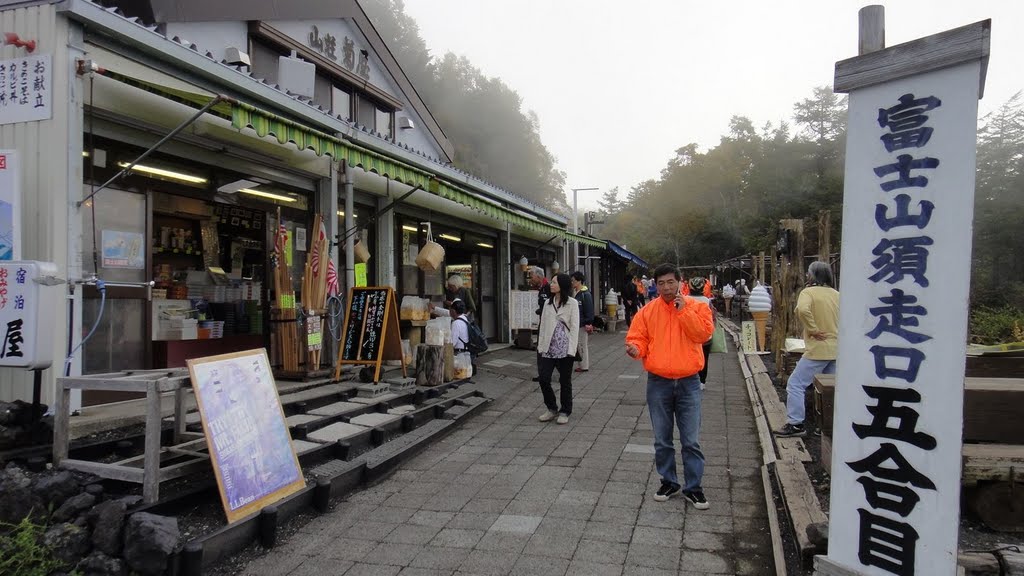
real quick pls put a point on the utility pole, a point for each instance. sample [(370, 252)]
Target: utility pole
[(575, 226), (588, 222)]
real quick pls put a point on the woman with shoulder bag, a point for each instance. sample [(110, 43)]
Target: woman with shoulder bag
[(556, 348)]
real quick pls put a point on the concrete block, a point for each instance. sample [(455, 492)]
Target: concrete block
[(336, 432), (337, 408), (373, 390), (299, 419), (301, 446), (371, 420), (401, 410), (399, 384)]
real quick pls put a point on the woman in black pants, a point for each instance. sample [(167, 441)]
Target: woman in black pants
[(556, 347)]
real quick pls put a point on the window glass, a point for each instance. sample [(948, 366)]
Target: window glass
[(322, 92), (264, 62), (341, 103), (366, 115), (384, 123)]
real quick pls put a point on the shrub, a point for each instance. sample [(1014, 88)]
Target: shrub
[(996, 325), (22, 551)]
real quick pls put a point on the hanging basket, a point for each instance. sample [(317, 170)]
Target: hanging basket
[(362, 255), (431, 254)]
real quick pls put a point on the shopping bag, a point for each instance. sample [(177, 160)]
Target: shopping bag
[(718, 340)]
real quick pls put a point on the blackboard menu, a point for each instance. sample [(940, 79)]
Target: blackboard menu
[(364, 326)]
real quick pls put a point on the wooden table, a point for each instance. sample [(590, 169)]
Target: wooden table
[(153, 383), (993, 408)]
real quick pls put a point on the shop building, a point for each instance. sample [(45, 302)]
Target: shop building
[(227, 115)]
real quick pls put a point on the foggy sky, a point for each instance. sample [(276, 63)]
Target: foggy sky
[(619, 86)]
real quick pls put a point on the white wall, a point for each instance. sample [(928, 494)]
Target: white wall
[(418, 138), (213, 37), (49, 160)]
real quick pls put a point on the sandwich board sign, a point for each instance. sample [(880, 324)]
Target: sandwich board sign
[(245, 429)]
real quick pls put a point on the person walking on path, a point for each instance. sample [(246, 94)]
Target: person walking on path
[(556, 348), (817, 307), (582, 295), (667, 335), (698, 286)]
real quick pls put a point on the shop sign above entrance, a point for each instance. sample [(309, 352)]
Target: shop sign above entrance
[(327, 44), (25, 89)]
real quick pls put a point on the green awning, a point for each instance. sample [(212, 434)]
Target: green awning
[(286, 131)]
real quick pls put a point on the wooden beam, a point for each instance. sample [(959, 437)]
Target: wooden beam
[(957, 46), (998, 462), (801, 502), (778, 551)]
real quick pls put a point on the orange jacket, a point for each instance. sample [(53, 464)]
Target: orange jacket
[(707, 291), (670, 340)]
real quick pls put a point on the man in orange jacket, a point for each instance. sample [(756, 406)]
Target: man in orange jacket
[(667, 335)]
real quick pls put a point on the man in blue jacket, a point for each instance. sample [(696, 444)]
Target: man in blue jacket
[(582, 295)]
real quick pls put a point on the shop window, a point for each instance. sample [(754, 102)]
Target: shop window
[(341, 103), (366, 113), (374, 117), (264, 62), (323, 92), (384, 123)]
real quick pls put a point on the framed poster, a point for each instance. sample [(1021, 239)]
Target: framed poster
[(249, 443), (10, 206), (123, 250)]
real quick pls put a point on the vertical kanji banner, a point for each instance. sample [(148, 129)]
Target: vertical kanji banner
[(906, 250)]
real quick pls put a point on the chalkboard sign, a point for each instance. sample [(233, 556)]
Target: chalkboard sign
[(371, 329), (245, 430)]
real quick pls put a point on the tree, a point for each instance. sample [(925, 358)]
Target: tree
[(822, 116), (609, 202), (493, 137)]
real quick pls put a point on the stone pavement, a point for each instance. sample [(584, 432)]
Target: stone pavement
[(506, 494)]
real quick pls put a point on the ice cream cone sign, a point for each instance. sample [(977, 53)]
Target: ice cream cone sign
[(760, 305)]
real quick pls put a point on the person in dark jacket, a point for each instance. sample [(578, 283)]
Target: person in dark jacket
[(582, 295), (539, 283), (630, 299), (455, 289)]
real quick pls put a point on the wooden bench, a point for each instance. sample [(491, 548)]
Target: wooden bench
[(993, 408)]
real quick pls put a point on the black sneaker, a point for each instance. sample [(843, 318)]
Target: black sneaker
[(790, 430), (666, 491), (696, 497)]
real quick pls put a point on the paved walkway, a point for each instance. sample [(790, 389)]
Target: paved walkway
[(506, 494)]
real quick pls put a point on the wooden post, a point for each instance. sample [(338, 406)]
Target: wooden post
[(760, 266), (429, 365), (872, 29), (791, 280), (824, 235)]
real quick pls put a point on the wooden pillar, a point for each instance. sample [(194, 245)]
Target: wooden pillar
[(824, 235), (760, 266), (787, 288)]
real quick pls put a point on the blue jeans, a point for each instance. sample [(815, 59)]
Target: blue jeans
[(677, 399), (799, 380)]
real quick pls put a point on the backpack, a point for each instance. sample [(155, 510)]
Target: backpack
[(477, 341)]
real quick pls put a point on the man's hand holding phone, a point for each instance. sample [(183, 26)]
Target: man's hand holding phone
[(680, 303)]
